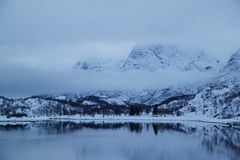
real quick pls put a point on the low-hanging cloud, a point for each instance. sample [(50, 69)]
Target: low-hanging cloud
[(33, 82)]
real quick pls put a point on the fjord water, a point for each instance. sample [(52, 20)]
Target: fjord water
[(54, 140)]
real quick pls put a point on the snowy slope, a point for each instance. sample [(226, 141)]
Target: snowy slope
[(230, 73), (153, 57), (220, 97), (233, 64)]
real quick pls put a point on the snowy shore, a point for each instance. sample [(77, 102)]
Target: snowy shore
[(142, 118)]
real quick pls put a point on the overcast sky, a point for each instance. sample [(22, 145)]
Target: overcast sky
[(42, 37)]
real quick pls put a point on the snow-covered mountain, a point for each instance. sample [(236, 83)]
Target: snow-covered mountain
[(154, 57), (219, 97)]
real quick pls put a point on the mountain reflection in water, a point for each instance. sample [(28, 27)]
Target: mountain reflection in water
[(106, 140)]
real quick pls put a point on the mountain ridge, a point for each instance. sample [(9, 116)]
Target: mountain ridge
[(153, 57)]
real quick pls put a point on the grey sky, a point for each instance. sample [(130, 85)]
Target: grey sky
[(51, 35)]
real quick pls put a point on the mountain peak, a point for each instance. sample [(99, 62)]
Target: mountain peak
[(163, 56)]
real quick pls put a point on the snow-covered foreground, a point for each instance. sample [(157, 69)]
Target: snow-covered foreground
[(142, 118)]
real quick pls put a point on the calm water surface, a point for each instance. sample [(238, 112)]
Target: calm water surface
[(54, 140)]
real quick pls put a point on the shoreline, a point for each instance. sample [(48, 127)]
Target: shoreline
[(142, 119)]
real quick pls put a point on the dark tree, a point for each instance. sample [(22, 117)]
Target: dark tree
[(135, 110), (155, 111)]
